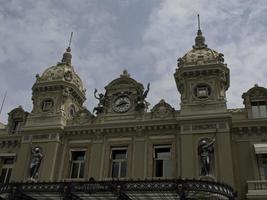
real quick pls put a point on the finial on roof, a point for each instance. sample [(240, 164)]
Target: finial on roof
[(125, 74), (67, 55), (200, 39), (71, 34), (198, 20)]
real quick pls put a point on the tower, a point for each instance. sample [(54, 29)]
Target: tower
[(202, 79), (57, 94)]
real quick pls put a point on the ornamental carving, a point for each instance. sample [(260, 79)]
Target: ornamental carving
[(254, 93), (204, 126), (82, 116), (16, 118), (162, 110)]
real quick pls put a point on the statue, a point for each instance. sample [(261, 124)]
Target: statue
[(205, 152), (141, 103), (36, 158), (101, 104)]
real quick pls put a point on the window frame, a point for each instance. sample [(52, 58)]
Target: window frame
[(155, 159), (16, 126), (68, 171), (120, 161), (256, 110), (72, 162), (47, 105), (261, 171), (8, 167)]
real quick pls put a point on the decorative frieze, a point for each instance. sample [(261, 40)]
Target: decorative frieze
[(137, 128), (40, 138), (249, 131), (9, 143), (203, 126)]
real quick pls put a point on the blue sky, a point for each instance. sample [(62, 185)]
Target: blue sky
[(143, 36)]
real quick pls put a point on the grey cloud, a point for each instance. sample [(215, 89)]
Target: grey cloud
[(144, 37)]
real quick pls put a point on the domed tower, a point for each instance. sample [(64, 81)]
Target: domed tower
[(57, 94), (202, 79)]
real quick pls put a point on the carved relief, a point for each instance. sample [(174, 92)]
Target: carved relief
[(254, 93), (16, 119), (162, 110), (82, 116), (204, 126)]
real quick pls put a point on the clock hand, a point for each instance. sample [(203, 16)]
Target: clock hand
[(122, 103)]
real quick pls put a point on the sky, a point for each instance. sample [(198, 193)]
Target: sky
[(145, 37)]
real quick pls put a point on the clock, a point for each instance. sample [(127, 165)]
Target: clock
[(121, 104)]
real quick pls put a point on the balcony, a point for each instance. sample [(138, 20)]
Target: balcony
[(257, 189)]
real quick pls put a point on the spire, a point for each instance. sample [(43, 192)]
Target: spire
[(200, 39), (67, 55)]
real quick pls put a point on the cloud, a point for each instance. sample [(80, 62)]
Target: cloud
[(144, 37)]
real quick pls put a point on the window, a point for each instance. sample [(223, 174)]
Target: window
[(47, 105), (77, 164), (162, 161), (259, 109), (72, 111), (16, 126), (202, 91), (118, 162), (6, 169), (262, 164)]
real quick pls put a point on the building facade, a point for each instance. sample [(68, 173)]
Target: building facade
[(60, 140)]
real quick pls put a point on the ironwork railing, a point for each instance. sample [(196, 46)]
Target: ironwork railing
[(180, 189)]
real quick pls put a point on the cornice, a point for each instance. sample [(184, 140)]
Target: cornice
[(122, 129), (8, 140), (249, 122)]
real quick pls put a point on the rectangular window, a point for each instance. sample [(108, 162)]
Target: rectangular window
[(162, 161), (6, 169), (259, 109), (16, 126), (202, 92), (118, 162), (262, 164), (77, 164)]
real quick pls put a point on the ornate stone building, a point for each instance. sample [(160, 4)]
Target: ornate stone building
[(60, 140)]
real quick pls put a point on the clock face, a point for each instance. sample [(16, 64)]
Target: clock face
[(121, 104)]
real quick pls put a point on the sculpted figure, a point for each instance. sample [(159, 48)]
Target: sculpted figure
[(140, 100), (101, 104), (205, 152), (36, 159)]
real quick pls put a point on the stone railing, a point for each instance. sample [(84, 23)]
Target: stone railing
[(257, 189)]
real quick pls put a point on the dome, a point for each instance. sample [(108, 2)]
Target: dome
[(200, 54), (63, 71)]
